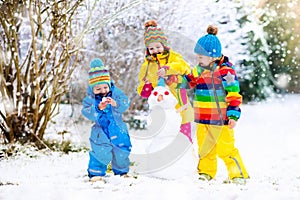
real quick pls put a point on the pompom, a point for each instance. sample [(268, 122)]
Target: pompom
[(211, 29), (97, 62), (150, 23)]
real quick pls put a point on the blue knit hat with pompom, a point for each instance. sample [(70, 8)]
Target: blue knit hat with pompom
[(209, 44)]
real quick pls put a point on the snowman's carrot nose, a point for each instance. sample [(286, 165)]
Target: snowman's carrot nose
[(160, 98)]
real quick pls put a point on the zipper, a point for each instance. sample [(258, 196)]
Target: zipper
[(217, 100)]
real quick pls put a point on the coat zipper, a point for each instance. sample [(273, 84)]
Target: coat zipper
[(216, 97)]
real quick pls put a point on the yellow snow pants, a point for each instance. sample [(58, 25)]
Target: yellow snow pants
[(216, 141)]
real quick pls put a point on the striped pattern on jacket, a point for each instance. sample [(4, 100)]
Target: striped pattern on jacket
[(216, 93)]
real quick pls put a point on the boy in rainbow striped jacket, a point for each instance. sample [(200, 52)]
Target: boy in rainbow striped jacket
[(216, 109)]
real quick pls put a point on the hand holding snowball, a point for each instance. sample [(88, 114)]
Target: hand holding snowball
[(106, 100)]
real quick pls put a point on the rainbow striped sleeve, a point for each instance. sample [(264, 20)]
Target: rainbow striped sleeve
[(196, 71), (232, 86)]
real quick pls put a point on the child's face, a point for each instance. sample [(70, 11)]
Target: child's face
[(205, 60), (101, 89), (155, 48)]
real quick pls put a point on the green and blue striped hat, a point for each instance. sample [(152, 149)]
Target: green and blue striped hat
[(98, 74)]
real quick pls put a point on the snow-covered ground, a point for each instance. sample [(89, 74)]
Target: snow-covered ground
[(267, 136)]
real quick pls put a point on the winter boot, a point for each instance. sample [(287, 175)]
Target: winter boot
[(237, 181), (204, 177)]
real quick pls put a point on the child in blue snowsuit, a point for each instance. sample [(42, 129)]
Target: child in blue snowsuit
[(110, 141)]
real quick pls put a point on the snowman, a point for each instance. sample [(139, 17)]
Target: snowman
[(171, 154)]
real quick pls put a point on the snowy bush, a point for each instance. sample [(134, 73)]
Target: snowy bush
[(39, 52)]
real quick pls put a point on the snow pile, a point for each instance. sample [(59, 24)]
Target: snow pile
[(267, 136)]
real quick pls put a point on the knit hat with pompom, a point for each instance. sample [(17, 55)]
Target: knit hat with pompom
[(98, 74), (209, 44), (154, 34)]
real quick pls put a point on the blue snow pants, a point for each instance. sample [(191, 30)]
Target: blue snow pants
[(109, 144)]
